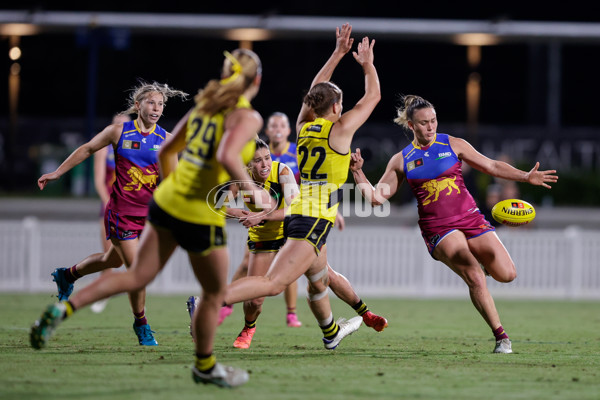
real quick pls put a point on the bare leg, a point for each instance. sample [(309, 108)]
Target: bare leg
[(342, 288), (211, 272), (454, 252), (492, 254), (156, 246), (100, 262), (258, 265), (127, 250), (242, 270), (321, 308), (291, 295), (294, 259), (99, 306), (344, 291)]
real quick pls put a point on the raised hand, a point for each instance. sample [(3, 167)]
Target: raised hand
[(364, 52), (343, 42)]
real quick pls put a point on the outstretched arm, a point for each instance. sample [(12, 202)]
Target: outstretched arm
[(388, 184), (343, 44), (500, 169), (109, 135), (344, 129)]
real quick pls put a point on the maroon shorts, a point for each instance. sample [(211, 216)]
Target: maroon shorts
[(122, 227), (472, 225)]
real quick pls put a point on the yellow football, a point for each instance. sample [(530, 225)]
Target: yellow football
[(513, 212)]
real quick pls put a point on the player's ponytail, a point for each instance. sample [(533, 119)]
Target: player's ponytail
[(409, 104), (240, 68)]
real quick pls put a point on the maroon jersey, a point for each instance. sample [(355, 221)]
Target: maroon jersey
[(136, 167)]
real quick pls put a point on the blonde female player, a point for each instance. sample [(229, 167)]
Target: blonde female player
[(455, 231), (324, 138), (216, 138), (135, 144)]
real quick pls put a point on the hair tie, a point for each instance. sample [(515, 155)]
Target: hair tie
[(236, 67)]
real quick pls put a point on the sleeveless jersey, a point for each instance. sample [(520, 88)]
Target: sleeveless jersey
[(270, 230), (191, 192), (136, 169), (289, 158), (435, 177), (323, 171), (109, 177)]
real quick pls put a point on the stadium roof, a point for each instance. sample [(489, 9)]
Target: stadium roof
[(267, 27)]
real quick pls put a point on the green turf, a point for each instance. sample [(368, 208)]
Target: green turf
[(433, 349)]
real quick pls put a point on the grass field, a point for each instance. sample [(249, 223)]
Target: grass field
[(432, 349)]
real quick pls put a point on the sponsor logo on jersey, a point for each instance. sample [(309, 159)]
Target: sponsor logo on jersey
[(314, 128), (414, 164), (131, 144), (426, 154), (443, 155), (144, 140), (156, 147)]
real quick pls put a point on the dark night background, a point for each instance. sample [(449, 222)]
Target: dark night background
[(54, 74)]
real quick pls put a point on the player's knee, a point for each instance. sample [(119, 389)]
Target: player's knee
[(508, 275), (473, 278), (274, 287)]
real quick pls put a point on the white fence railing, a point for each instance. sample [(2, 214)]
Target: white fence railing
[(378, 260)]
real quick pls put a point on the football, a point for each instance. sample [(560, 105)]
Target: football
[(513, 212)]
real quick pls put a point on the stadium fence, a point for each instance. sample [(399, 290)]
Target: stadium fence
[(379, 261)]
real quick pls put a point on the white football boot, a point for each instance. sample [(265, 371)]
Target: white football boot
[(347, 327)]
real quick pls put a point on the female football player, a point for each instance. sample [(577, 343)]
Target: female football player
[(454, 230), (323, 145)]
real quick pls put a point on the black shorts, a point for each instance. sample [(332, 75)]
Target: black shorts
[(265, 246), (313, 230), (194, 238)]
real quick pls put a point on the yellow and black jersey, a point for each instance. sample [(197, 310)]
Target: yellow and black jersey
[(270, 230), (323, 171), (191, 192)]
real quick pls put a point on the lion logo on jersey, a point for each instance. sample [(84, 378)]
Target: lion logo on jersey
[(139, 179), (435, 187)]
